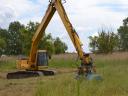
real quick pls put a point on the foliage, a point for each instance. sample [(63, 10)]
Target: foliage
[(3, 41), (47, 43), (105, 42), (93, 43), (123, 33), (26, 36), (60, 47), (18, 39), (2, 45), (15, 42)]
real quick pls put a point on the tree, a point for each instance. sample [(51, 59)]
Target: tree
[(60, 47), (93, 43), (47, 43), (123, 35), (2, 46), (105, 42), (26, 36), (3, 41), (18, 39), (15, 42)]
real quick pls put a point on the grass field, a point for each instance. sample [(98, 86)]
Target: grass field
[(113, 68)]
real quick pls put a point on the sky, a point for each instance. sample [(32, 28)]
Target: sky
[(87, 16)]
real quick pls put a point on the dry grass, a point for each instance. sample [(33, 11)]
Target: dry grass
[(112, 67), (23, 87), (113, 56), (8, 58)]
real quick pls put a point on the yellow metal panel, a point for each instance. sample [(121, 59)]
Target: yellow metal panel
[(22, 64)]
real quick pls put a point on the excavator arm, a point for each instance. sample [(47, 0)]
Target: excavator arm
[(55, 5), (39, 34), (71, 31)]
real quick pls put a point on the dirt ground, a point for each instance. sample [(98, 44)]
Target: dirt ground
[(24, 87)]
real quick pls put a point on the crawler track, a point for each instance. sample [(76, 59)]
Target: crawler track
[(27, 74)]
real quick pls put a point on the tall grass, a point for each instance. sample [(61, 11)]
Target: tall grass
[(112, 68), (64, 61), (7, 65), (114, 83)]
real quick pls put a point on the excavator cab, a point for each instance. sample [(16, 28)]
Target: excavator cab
[(41, 61), (42, 58)]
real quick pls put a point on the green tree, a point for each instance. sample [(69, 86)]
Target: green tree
[(123, 34), (15, 42), (18, 39), (3, 40), (47, 43), (26, 36), (105, 42), (2, 46), (93, 43), (60, 47)]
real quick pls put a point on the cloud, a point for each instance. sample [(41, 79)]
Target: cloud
[(6, 15), (87, 16), (21, 10)]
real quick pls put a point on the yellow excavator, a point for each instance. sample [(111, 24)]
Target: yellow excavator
[(39, 58)]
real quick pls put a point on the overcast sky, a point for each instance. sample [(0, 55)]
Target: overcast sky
[(87, 16)]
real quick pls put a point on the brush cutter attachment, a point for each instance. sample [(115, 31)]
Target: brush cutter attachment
[(88, 73), (93, 76)]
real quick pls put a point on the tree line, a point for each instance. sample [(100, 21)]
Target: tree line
[(108, 41), (17, 40)]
